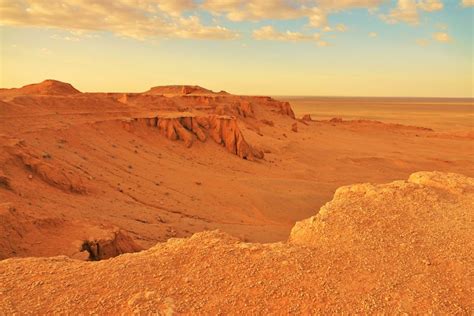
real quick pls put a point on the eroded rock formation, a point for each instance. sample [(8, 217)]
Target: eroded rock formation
[(47, 87), (50, 173), (187, 127), (111, 244), (179, 89), (307, 117)]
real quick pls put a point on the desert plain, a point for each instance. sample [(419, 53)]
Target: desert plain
[(184, 200)]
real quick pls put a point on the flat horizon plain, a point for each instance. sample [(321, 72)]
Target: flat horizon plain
[(440, 114)]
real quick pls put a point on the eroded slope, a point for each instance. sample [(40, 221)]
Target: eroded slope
[(79, 166), (402, 247)]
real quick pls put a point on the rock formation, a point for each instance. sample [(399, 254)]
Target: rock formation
[(51, 174), (307, 117), (47, 87), (111, 244), (178, 90), (294, 127), (399, 228), (336, 120), (187, 127)]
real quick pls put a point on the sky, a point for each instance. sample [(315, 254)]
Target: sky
[(420, 48)]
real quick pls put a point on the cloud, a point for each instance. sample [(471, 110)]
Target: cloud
[(442, 37), (407, 11), (269, 33), (430, 5), (373, 34), (144, 19), (315, 11), (339, 28), (255, 10), (129, 18), (317, 17), (348, 4), (467, 3), (65, 38)]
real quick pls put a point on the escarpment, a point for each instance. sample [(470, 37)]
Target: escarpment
[(187, 127), (170, 98)]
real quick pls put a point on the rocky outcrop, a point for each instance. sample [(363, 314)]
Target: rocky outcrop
[(53, 174), (178, 90), (285, 109), (307, 117), (24, 235), (47, 87), (336, 120), (294, 127), (187, 127), (429, 208), (112, 244)]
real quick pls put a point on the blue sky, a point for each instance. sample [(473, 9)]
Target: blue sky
[(276, 47)]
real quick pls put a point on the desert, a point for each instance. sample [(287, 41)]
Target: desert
[(212, 185), (236, 157)]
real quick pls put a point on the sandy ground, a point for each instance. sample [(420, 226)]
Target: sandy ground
[(86, 177), (398, 248), (73, 168), (437, 113)]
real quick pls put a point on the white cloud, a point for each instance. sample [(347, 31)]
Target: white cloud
[(339, 27), (442, 37), (255, 10), (143, 19), (317, 17), (315, 11), (430, 5), (65, 38), (407, 11), (270, 34), (130, 18)]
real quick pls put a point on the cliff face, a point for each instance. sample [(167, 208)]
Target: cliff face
[(224, 130)]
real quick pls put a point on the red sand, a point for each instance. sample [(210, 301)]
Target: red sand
[(94, 175)]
